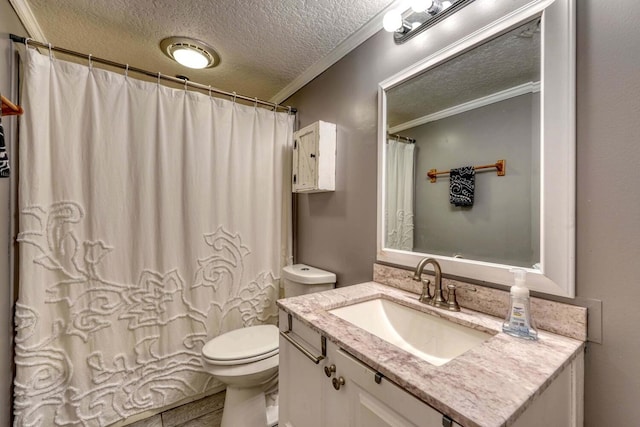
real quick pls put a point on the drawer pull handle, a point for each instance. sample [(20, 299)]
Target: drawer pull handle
[(338, 382)]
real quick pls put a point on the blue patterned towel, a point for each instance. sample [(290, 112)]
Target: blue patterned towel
[(462, 184), (4, 158)]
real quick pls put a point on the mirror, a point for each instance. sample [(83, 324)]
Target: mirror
[(500, 101)]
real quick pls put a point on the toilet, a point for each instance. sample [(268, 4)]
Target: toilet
[(301, 279), (246, 359)]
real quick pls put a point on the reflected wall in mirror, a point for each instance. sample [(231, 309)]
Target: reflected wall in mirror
[(473, 109), (504, 92)]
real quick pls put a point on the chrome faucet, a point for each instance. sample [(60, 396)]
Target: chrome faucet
[(437, 299)]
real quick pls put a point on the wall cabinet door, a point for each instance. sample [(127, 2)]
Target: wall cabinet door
[(305, 155), (314, 158)]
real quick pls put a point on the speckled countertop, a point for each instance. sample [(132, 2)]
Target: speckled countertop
[(487, 386)]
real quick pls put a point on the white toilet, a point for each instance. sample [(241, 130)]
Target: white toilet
[(300, 279), (246, 359)]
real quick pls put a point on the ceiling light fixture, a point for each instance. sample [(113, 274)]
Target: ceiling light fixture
[(190, 52), (419, 16)]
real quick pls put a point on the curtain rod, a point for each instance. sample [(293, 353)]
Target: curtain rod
[(403, 138), (28, 41)]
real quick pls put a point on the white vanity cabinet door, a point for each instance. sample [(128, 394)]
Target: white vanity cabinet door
[(300, 380), (382, 404), (307, 397), (562, 403)]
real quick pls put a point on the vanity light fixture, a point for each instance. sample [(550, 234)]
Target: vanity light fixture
[(190, 52), (422, 14)]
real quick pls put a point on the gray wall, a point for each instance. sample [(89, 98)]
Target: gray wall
[(499, 227), (337, 231), (9, 23)]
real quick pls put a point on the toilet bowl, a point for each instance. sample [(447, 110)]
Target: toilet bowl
[(246, 361)]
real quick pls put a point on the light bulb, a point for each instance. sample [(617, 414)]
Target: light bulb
[(190, 58), (445, 4), (392, 20), (419, 6)]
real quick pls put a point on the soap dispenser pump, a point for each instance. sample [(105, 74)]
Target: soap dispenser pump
[(518, 322)]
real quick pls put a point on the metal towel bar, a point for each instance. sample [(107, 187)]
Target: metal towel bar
[(315, 359)]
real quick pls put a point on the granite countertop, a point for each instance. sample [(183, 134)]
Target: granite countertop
[(487, 386)]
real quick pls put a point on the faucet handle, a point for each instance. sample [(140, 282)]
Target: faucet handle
[(426, 292), (452, 302)]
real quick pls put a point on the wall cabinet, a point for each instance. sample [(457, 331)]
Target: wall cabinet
[(314, 158)]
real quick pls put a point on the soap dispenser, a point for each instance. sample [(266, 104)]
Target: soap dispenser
[(518, 322)]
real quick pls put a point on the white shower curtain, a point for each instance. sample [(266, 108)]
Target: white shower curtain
[(151, 219), (399, 195)]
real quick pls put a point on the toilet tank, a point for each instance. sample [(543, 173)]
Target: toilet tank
[(301, 279)]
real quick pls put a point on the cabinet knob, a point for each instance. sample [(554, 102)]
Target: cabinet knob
[(329, 370), (337, 383)]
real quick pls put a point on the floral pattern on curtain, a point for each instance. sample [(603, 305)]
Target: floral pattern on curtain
[(151, 220)]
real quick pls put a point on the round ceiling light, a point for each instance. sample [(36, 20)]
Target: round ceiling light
[(190, 52)]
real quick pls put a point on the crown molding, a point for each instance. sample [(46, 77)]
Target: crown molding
[(350, 43), (522, 89), (28, 19)]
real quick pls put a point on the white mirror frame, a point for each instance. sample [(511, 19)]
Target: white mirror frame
[(557, 167)]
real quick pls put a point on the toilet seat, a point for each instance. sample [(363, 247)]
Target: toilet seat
[(244, 345)]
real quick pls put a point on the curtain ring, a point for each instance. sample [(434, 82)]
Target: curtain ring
[(234, 97), (126, 71), (185, 85), (90, 62), (50, 52), (289, 107), (26, 42), (158, 78), (209, 91), (255, 102)]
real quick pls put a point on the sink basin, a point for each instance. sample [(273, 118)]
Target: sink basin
[(428, 337)]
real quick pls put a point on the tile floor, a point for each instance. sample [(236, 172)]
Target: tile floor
[(206, 412)]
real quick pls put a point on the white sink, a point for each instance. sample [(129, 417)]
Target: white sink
[(429, 337)]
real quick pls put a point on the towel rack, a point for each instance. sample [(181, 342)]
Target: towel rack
[(500, 165), (9, 108)]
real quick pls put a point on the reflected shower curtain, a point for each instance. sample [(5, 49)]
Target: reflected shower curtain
[(151, 219), (399, 195)]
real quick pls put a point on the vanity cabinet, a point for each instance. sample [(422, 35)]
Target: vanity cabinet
[(314, 158), (340, 391)]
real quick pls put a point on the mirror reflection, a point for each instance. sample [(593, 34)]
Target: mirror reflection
[(458, 120)]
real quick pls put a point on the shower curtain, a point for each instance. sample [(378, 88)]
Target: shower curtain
[(151, 220), (399, 195)]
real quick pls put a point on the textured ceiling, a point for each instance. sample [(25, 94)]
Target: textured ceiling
[(502, 63), (264, 44)]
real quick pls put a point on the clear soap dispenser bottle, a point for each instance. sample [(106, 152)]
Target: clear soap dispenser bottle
[(518, 322)]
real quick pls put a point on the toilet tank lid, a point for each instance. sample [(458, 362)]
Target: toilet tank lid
[(307, 275)]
